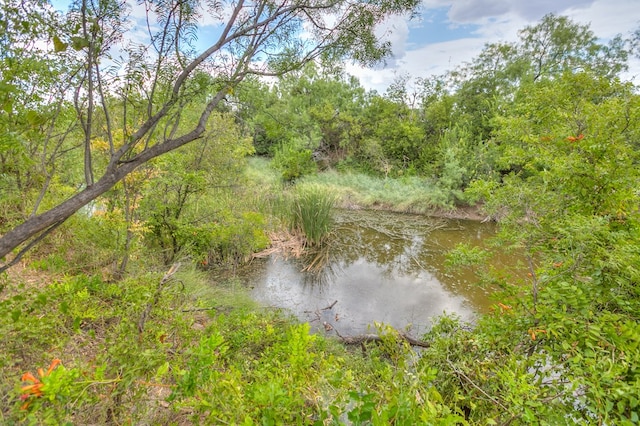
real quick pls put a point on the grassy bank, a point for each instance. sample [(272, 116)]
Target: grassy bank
[(357, 190), (354, 190), (186, 347), (185, 350)]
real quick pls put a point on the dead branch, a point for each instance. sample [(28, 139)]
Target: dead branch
[(156, 296), (461, 375), (330, 306), (218, 309), (369, 338)]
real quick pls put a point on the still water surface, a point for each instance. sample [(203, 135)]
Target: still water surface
[(381, 267)]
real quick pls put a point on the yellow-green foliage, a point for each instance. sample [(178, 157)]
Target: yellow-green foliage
[(234, 239), (293, 161)]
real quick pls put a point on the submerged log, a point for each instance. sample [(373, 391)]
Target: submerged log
[(368, 338)]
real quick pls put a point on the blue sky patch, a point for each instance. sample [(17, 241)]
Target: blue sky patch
[(435, 27)]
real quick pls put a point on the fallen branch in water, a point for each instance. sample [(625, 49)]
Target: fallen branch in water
[(368, 338), (330, 306), (318, 316)]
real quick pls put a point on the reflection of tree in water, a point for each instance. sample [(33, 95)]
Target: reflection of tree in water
[(394, 243), (377, 265), (321, 276)]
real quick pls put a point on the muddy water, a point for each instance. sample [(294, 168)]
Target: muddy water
[(380, 267)]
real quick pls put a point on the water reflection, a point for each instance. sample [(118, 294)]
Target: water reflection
[(382, 267)]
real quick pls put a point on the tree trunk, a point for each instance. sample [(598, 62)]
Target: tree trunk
[(34, 225)]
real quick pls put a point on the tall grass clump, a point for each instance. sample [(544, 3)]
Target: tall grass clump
[(311, 209)]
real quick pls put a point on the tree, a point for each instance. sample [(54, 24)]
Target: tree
[(392, 127), (571, 207), (256, 104), (317, 107), (175, 208), (557, 44), (34, 117), (158, 80), (487, 86)]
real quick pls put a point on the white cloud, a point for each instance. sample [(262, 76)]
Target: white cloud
[(495, 21), (432, 59), (609, 17), (137, 10), (475, 11), (470, 11), (395, 29), (371, 79)]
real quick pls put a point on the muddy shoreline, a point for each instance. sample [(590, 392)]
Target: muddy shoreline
[(474, 213)]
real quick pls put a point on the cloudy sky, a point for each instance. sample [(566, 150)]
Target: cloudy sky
[(451, 32)]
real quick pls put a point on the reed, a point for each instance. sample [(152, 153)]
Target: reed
[(311, 209)]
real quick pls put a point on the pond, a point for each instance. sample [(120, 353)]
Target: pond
[(379, 267)]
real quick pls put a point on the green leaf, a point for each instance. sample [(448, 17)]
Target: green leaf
[(162, 370), (79, 43), (41, 299), (15, 315), (59, 45), (7, 106), (33, 117)]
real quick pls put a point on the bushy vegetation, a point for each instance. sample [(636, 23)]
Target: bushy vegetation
[(181, 351), (106, 316), (293, 161)]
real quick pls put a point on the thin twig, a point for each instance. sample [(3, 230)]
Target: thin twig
[(461, 374), (215, 308), (330, 306)]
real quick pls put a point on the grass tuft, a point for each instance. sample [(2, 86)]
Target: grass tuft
[(311, 210)]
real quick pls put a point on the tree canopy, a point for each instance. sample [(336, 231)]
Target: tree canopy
[(131, 94)]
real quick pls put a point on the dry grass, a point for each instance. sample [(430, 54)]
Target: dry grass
[(283, 244), (30, 279)]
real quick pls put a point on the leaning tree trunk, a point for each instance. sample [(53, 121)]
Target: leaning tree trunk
[(251, 31), (35, 228)]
